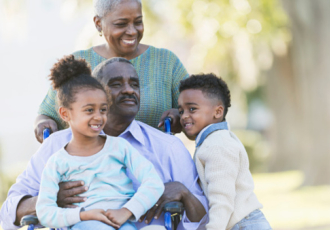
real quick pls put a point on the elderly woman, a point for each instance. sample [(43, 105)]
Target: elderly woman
[(120, 22)]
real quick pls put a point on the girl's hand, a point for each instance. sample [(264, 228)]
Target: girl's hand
[(118, 216), (41, 123), (174, 114), (97, 214)]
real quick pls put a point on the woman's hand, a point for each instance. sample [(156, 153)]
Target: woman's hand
[(97, 214), (118, 216), (175, 125), (42, 122), (67, 194)]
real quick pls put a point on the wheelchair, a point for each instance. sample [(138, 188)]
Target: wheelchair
[(172, 211)]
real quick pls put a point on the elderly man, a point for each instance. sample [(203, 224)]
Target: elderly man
[(171, 159)]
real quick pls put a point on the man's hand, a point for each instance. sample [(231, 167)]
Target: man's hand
[(118, 216), (97, 214), (174, 191), (42, 122), (66, 196), (174, 114)]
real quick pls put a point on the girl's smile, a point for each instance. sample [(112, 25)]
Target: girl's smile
[(87, 116)]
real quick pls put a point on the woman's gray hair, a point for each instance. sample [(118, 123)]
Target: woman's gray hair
[(98, 71), (102, 7)]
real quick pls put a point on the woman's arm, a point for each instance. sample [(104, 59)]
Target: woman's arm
[(179, 73), (48, 116), (42, 122)]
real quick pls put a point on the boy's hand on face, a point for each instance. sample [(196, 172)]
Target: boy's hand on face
[(97, 214), (118, 216)]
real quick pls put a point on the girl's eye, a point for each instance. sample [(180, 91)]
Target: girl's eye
[(104, 110), (89, 110), (192, 109), (138, 22), (180, 112)]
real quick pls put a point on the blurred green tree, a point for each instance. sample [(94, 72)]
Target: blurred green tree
[(298, 91)]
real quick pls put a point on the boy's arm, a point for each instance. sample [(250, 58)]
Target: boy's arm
[(221, 170), (151, 187), (49, 214)]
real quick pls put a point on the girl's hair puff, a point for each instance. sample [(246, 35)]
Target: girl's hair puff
[(69, 76)]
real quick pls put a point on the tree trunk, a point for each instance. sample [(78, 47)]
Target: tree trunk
[(299, 93)]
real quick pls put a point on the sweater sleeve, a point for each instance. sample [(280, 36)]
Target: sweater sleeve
[(49, 214), (221, 171), (179, 73), (151, 187), (48, 108)]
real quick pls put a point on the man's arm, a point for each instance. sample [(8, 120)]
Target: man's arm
[(26, 206), (22, 195), (184, 188), (20, 199)]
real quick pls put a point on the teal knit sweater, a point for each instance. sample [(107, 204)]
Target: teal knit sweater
[(160, 72)]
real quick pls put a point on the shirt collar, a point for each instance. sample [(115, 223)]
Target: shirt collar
[(135, 130), (210, 129)]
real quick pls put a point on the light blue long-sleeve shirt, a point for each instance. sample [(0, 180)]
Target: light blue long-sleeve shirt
[(167, 153), (105, 175)]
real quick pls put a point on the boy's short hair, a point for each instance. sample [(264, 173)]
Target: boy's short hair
[(211, 85)]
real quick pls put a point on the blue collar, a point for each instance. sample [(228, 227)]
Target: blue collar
[(214, 127), (135, 130)]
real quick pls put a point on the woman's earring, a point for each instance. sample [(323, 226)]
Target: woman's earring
[(100, 33)]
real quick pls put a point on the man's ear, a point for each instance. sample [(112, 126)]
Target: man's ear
[(97, 23), (64, 113), (219, 111)]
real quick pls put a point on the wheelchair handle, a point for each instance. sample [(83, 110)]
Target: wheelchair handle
[(46, 133), (29, 219), (167, 125), (174, 207)]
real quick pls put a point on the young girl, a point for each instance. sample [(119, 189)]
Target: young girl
[(99, 160)]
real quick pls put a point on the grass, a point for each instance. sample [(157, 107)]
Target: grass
[(287, 205)]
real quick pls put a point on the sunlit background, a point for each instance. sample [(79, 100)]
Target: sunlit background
[(273, 54)]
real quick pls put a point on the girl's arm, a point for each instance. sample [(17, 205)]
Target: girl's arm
[(49, 214), (151, 187)]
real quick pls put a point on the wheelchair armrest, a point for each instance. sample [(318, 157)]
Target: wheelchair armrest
[(29, 219), (174, 207)]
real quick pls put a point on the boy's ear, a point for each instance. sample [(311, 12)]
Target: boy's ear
[(64, 114), (219, 112)]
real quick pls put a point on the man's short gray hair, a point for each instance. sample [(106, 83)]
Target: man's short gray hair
[(102, 7), (98, 71)]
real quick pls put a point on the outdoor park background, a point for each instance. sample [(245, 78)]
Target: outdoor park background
[(274, 54)]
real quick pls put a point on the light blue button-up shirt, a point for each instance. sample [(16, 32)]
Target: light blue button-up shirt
[(167, 153)]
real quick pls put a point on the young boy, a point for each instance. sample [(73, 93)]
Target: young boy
[(221, 160)]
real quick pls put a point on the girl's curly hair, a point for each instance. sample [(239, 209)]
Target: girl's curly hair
[(70, 75)]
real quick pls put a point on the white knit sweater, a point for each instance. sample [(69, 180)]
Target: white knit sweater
[(223, 167)]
